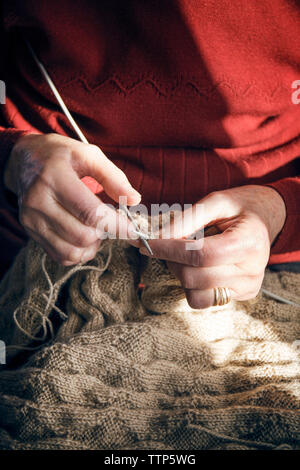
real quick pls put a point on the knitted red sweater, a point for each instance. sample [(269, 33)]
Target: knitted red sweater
[(187, 97)]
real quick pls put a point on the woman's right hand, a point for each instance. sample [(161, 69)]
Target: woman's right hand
[(55, 207)]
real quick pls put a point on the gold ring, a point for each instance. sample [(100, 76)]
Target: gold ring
[(221, 296)]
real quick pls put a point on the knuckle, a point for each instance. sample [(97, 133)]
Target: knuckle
[(253, 245), (212, 194), (96, 156), (251, 294), (85, 238), (34, 197), (187, 278), (87, 216), (26, 199), (195, 257), (256, 275), (24, 219), (260, 242), (45, 178), (263, 243), (217, 196), (123, 178), (72, 254), (257, 285), (255, 292), (66, 263), (96, 150), (29, 221)]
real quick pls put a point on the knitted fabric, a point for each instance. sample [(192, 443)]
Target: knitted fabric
[(132, 369)]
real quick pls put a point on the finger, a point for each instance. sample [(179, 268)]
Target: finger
[(206, 278), (111, 223), (200, 299), (75, 197), (69, 192), (243, 286), (65, 225), (94, 163), (90, 252), (61, 251), (221, 249), (214, 207)]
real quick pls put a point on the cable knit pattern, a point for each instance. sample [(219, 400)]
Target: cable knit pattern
[(142, 370)]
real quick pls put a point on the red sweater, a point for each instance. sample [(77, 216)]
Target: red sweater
[(186, 96)]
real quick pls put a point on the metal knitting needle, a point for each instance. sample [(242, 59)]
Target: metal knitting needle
[(79, 133), (141, 235)]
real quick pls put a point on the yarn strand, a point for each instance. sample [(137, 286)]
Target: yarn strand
[(46, 324)]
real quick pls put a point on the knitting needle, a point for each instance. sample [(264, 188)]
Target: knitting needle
[(79, 133), (137, 229)]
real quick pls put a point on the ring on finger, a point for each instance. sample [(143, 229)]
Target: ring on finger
[(221, 296)]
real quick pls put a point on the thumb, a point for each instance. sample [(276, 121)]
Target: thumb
[(104, 171), (213, 208)]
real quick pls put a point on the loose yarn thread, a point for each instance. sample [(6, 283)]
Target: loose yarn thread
[(50, 305)]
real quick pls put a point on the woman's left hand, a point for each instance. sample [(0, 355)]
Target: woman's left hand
[(249, 219)]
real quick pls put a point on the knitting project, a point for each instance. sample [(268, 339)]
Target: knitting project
[(96, 362)]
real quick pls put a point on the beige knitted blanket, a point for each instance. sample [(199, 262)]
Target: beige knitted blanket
[(131, 369)]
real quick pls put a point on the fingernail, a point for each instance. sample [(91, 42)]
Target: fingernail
[(88, 255)]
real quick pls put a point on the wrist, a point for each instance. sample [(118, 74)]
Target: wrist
[(266, 203), (11, 170), (276, 212)]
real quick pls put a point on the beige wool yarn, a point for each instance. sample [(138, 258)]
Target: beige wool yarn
[(116, 367)]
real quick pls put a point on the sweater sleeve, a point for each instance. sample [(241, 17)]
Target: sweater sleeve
[(287, 244), (8, 137), (8, 134)]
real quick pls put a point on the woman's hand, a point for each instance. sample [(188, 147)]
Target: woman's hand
[(56, 207), (249, 219)]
